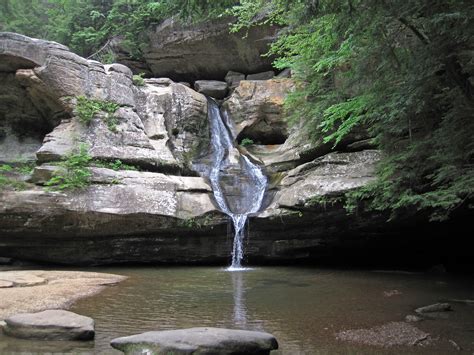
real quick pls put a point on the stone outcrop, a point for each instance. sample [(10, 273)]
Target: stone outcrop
[(158, 126), (207, 50), (165, 213), (256, 108), (198, 341), (50, 325)]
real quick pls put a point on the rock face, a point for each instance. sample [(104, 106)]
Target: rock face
[(155, 124), (198, 341), (256, 107), (50, 325), (207, 50), (165, 213)]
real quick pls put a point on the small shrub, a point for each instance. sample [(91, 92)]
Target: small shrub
[(246, 142), (6, 168), (138, 79), (87, 108), (75, 172), (115, 165)]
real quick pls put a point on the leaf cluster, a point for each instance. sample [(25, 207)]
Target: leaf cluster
[(87, 108)]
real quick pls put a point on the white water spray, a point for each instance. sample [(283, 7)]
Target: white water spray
[(227, 162)]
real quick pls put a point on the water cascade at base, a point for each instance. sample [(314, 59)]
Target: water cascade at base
[(237, 183)]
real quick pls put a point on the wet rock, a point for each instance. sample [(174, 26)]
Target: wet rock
[(198, 341), (434, 308), (392, 293), (50, 325), (387, 335), (213, 88), (261, 76), (5, 261), (413, 319)]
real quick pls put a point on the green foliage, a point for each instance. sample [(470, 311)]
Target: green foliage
[(87, 108), (246, 142), (114, 165), (195, 222), (87, 26), (7, 182), (400, 69), (138, 79), (74, 172), (6, 168)]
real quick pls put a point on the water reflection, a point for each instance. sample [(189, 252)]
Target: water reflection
[(240, 310)]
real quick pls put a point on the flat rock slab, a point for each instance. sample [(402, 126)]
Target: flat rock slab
[(387, 335), (58, 289), (197, 341), (50, 325), (21, 279), (5, 284)]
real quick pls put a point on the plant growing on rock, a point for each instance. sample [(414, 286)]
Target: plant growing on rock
[(246, 142), (74, 172), (138, 79), (87, 108)]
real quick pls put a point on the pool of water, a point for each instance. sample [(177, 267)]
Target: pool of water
[(303, 307)]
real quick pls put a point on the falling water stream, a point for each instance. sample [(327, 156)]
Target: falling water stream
[(237, 183)]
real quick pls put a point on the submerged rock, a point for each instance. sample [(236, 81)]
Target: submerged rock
[(198, 341), (387, 335), (50, 325), (437, 307)]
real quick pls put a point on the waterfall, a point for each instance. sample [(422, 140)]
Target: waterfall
[(238, 184)]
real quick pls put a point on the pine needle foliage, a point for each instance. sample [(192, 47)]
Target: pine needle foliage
[(402, 69)]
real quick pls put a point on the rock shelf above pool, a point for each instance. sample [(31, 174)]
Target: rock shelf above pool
[(198, 341)]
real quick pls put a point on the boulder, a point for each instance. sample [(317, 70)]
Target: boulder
[(261, 76), (213, 88), (331, 175), (256, 107), (233, 79), (198, 341), (207, 50), (50, 325)]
